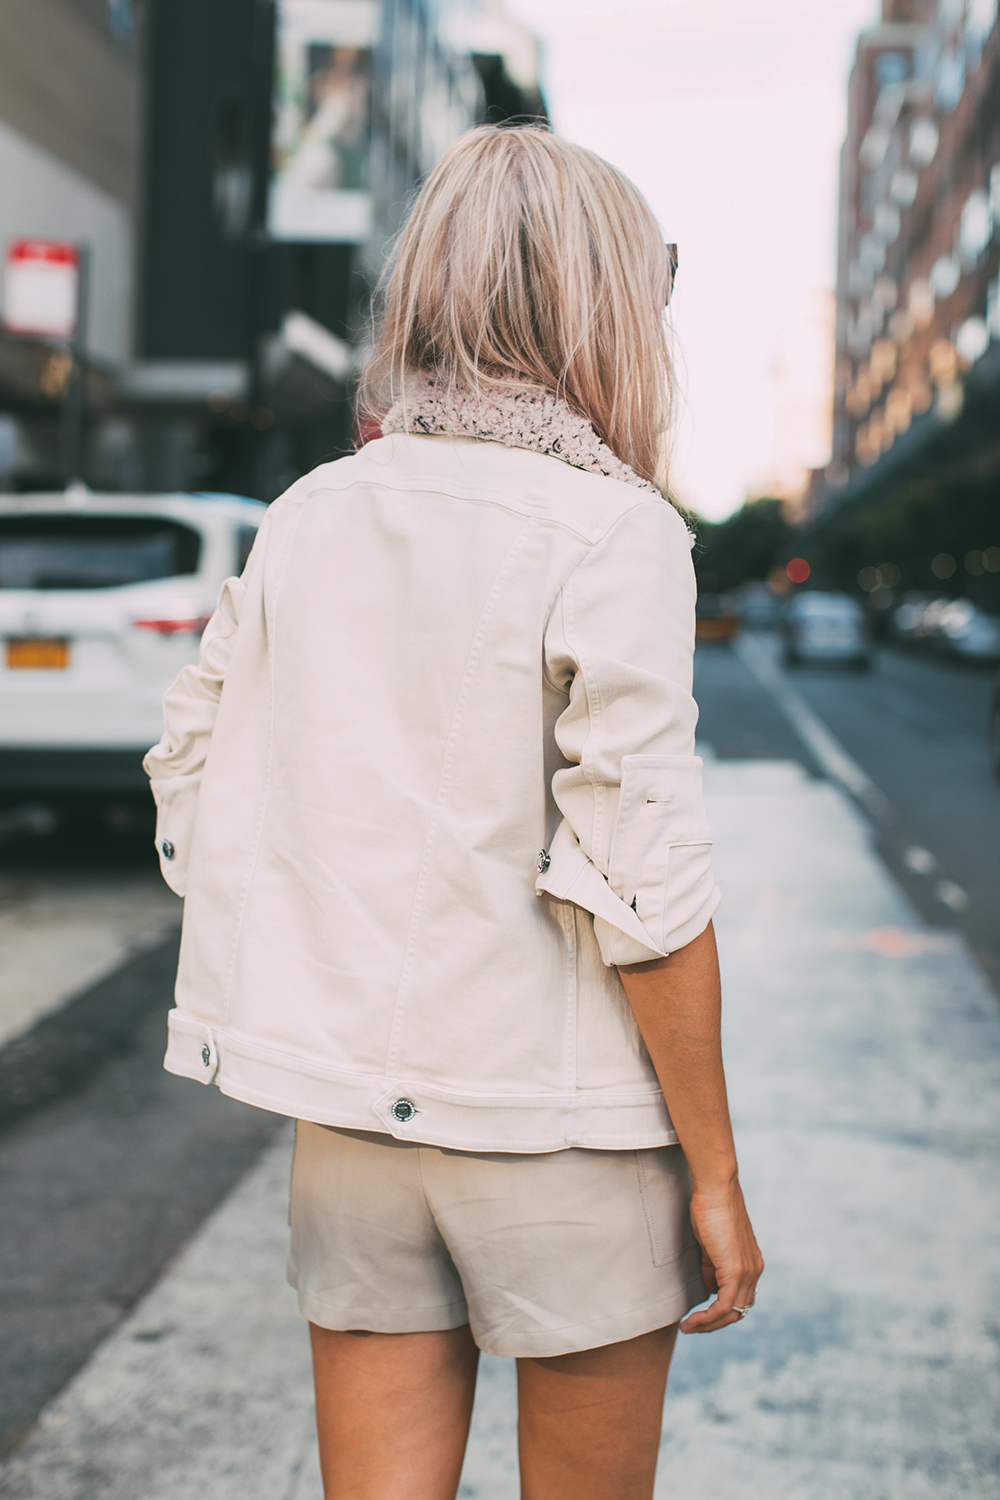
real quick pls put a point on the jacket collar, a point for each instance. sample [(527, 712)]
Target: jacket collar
[(528, 418)]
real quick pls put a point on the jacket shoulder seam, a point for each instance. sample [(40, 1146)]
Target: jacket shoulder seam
[(484, 495)]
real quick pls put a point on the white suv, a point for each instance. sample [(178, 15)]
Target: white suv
[(103, 599)]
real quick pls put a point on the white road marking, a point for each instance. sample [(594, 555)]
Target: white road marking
[(829, 752), (921, 861), (952, 895), (834, 760)]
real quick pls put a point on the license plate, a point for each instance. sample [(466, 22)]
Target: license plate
[(37, 655)]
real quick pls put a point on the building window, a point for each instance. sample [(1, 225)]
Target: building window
[(891, 68), (950, 81)]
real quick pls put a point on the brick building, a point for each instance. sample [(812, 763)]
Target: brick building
[(918, 315)]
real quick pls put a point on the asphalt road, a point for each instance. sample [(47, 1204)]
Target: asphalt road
[(916, 726), (104, 1180)]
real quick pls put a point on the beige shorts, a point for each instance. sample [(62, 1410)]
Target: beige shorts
[(542, 1254)]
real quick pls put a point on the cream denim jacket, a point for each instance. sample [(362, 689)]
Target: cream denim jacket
[(432, 780)]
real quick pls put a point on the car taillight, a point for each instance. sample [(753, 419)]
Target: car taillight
[(175, 626)]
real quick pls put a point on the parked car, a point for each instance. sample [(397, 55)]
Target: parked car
[(715, 618), (758, 606), (965, 631), (951, 627), (907, 615), (827, 628), (103, 598), (928, 628)]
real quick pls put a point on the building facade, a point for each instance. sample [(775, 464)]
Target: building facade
[(235, 171), (918, 315), (70, 109)]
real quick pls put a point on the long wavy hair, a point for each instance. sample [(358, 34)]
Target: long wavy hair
[(527, 259)]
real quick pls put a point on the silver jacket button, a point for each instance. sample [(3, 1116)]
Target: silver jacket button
[(167, 849), (403, 1110), (206, 1055), (544, 860)]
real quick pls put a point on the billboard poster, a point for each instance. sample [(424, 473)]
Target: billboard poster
[(320, 188), (40, 288)]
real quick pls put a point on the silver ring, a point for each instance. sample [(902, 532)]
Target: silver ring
[(741, 1312)]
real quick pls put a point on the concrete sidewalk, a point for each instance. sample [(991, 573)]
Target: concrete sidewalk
[(62, 933), (864, 1058)]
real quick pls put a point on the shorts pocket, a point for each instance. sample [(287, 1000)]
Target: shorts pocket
[(665, 1190)]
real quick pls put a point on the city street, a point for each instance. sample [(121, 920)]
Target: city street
[(916, 727), (458, 247), (106, 1183)]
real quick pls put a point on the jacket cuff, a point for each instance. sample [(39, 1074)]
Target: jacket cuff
[(660, 892), (191, 1050), (570, 875), (176, 804), (619, 949)]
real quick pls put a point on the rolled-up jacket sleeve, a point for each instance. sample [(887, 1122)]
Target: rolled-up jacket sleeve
[(634, 844), (175, 765)]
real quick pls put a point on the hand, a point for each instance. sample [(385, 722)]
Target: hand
[(731, 1262)]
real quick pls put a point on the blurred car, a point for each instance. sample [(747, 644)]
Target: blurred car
[(715, 618), (758, 606), (907, 615), (826, 628), (964, 630), (103, 598), (928, 628), (994, 729), (951, 627)]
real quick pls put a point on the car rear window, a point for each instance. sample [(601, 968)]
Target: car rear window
[(93, 552)]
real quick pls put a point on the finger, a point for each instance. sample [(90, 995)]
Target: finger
[(719, 1314), (744, 1294), (709, 1320), (747, 1292)]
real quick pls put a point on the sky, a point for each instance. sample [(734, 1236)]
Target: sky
[(729, 116)]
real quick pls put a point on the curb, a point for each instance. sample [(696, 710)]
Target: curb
[(63, 1050)]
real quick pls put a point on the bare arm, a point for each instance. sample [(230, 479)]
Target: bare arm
[(677, 1002)]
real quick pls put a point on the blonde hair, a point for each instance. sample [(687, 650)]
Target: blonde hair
[(529, 259)]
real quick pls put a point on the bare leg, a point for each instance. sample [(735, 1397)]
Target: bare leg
[(589, 1423), (393, 1412)]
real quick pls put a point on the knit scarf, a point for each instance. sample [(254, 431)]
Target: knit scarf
[(528, 418)]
